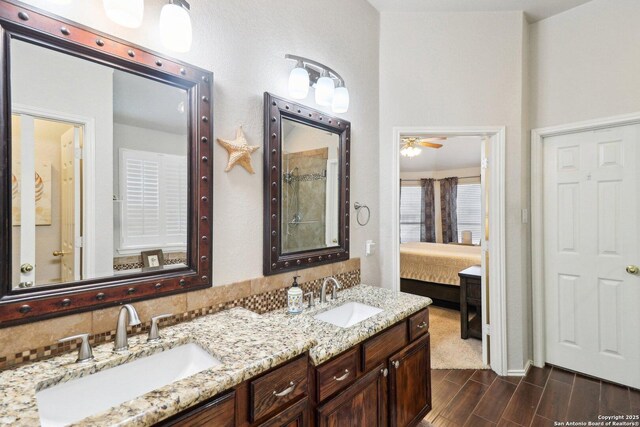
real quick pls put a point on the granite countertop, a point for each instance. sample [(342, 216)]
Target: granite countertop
[(333, 340), (246, 343)]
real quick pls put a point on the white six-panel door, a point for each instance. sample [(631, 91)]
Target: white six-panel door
[(591, 238)]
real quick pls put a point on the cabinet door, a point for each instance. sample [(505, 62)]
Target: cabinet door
[(362, 404), (410, 384), (296, 415), (219, 412)]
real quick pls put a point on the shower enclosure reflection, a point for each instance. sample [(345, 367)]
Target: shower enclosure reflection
[(310, 190)]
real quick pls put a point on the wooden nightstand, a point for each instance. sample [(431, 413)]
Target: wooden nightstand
[(471, 295)]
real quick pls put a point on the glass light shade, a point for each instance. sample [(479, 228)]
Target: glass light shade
[(298, 83), (340, 102), (127, 13), (410, 151), (325, 88), (175, 28)]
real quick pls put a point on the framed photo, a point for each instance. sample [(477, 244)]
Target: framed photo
[(152, 260)]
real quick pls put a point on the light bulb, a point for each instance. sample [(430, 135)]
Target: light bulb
[(127, 13), (175, 27), (299, 82), (325, 89), (340, 102)]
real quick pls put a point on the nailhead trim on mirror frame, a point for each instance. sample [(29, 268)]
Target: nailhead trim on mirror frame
[(31, 24), (259, 303)]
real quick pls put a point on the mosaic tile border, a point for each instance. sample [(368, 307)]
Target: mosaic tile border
[(259, 303)]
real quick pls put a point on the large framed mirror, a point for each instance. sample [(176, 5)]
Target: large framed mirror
[(306, 195), (104, 169)]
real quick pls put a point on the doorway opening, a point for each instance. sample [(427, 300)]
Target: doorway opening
[(460, 196)]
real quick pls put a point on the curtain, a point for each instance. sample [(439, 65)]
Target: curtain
[(428, 226), (448, 207)]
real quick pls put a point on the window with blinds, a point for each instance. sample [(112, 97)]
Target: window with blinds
[(470, 211), (153, 188), (410, 214)]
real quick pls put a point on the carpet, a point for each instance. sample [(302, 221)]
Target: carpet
[(448, 350)]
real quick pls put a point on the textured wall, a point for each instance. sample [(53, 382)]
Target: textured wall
[(244, 43), (471, 73)]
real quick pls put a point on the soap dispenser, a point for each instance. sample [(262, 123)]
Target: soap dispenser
[(294, 297)]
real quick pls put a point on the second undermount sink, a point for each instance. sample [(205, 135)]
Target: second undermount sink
[(348, 314), (74, 400)]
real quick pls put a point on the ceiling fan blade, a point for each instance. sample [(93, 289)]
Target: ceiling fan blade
[(430, 144)]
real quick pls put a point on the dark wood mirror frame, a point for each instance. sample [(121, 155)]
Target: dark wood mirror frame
[(274, 261), (33, 25)]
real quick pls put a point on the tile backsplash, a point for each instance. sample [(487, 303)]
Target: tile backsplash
[(39, 340)]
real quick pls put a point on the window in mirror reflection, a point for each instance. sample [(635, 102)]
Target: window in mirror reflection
[(310, 190), (99, 169)]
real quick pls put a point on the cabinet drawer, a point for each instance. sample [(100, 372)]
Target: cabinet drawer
[(378, 348), (419, 324), (337, 374), (473, 289), (218, 412), (274, 390)]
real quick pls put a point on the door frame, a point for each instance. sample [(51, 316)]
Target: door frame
[(537, 215), (497, 234), (88, 177)]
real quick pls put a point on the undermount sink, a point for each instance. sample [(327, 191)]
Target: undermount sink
[(348, 314), (75, 400)]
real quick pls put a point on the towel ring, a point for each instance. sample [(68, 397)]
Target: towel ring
[(360, 208)]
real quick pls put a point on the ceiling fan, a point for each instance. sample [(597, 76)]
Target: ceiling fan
[(411, 144)]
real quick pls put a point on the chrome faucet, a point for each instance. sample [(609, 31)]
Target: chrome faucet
[(128, 316), (334, 292)]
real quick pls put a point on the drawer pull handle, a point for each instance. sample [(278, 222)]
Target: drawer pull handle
[(422, 325), (343, 377), (288, 390), (396, 364)]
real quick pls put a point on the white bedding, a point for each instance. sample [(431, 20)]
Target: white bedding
[(436, 262)]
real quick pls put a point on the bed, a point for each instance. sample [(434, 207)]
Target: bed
[(431, 269)]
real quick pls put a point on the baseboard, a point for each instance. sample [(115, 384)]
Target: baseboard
[(519, 372)]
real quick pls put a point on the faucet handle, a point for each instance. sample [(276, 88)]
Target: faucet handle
[(312, 301), (85, 353), (154, 331)]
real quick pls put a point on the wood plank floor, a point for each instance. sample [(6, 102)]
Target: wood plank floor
[(544, 395)]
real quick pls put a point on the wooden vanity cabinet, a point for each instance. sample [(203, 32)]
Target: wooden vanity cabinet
[(391, 385), (219, 411)]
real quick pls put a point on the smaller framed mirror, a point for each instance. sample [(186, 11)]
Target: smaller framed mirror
[(306, 194)]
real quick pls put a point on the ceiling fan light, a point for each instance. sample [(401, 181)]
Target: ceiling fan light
[(127, 13), (325, 89), (410, 151), (175, 27), (340, 102), (299, 82)]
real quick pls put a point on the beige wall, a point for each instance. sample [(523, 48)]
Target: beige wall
[(585, 63), (471, 73), (244, 44)]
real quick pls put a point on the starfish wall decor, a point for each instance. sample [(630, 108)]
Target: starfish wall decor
[(239, 151)]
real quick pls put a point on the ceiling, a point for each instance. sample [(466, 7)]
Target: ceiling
[(458, 152), (142, 102), (534, 9)]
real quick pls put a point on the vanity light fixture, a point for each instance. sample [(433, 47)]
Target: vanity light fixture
[(175, 26), (330, 89), (127, 13)]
